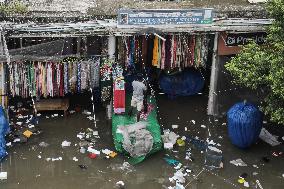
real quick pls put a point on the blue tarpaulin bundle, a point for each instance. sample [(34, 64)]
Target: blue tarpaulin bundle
[(188, 82), (244, 124), (4, 129)]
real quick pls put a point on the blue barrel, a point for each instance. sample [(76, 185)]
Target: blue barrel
[(244, 124), (186, 83)]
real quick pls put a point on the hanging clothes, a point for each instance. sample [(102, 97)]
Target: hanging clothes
[(118, 90), (155, 52), (163, 55)]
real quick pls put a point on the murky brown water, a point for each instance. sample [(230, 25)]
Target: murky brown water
[(27, 171)]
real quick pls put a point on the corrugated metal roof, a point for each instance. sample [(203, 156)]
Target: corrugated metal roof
[(110, 27)]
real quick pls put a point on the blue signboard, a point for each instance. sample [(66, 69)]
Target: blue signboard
[(162, 17)]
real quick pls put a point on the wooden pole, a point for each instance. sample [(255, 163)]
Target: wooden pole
[(111, 55), (212, 101), (111, 47)]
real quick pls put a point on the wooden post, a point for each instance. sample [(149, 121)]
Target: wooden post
[(212, 101), (111, 55), (111, 47)]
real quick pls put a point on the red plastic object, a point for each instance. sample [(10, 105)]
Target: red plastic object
[(92, 156)]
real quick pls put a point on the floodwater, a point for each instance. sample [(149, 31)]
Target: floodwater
[(27, 171)]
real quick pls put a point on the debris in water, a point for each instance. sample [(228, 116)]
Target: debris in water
[(86, 112), (16, 140), (94, 151), (258, 184), (174, 126), (168, 145), (192, 121), (169, 139), (54, 159), (75, 159), (43, 144), (120, 184), (246, 184), (255, 173), (27, 133), (268, 137), (65, 143), (90, 118), (39, 156), (80, 135), (9, 144), (82, 150), (214, 149), (171, 161), (255, 166), (83, 166), (30, 126), (19, 123), (178, 177), (238, 162), (180, 142), (3, 175)]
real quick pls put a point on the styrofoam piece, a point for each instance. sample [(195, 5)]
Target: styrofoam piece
[(3, 175)]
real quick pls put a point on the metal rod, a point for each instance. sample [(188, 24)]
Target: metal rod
[(159, 36)]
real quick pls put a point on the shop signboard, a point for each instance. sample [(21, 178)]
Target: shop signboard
[(230, 43), (165, 17), (236, 39)]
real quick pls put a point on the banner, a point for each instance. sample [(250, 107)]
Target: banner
[(163, 17)]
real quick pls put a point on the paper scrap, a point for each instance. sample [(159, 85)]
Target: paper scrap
[(238, 162), (268, 137), (65, 143), (174, 126)]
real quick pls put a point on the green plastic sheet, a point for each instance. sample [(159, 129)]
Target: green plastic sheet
[(152, 126)]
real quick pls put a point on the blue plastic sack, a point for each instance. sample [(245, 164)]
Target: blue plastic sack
[(4, 130), (186, 83), (244, 124)]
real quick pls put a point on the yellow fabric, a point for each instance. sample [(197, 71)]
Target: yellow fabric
[(27, 133), (155, 52)]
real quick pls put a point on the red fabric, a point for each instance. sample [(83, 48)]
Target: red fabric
[(119, 101)]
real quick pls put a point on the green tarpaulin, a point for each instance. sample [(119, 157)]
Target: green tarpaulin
[(152, 126)]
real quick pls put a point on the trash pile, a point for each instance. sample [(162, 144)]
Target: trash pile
[(87, 143), (213, 157), (22, 126), (137, 140)]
